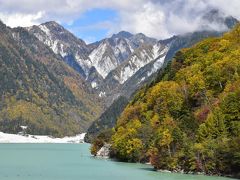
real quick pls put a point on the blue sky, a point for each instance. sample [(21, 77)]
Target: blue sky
[(93, 24), (92, 20)]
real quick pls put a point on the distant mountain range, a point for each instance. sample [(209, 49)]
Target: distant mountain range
[(106, 65), (113, 65)]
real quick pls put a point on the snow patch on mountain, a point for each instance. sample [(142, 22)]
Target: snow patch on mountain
[(133, 66), (102, 60), (102, 94), (141, 80), (86, 64), (157, 65), (45, 30), (121, 49), (94, 84), (141, 59), (159, 60), (62, 52), (129, 45)]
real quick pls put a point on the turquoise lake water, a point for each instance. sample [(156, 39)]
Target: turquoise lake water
[(73, 162)]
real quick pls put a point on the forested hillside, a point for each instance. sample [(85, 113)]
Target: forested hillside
[(107, 120), (189, 117), (38, 90)]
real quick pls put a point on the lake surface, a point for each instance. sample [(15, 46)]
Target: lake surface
[(73, 162)]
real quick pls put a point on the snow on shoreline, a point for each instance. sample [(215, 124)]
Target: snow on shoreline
[(16, 138)]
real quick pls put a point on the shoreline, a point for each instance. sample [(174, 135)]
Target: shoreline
[(28, 138), (104, 153)]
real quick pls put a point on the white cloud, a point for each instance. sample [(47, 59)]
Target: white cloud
[(228, 6), (162, 18), (19, 19), (156, 18), (148, 20)]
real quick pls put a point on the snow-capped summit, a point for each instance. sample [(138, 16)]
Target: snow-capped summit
[(138, 39), (72, 49), (122, 34)]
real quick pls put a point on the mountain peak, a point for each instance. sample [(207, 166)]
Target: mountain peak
[(140, 35), (141, 38), (216, 19), (122, 34), (51, 23)]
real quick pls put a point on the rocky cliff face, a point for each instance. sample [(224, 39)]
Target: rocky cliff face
[(104, 152)]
